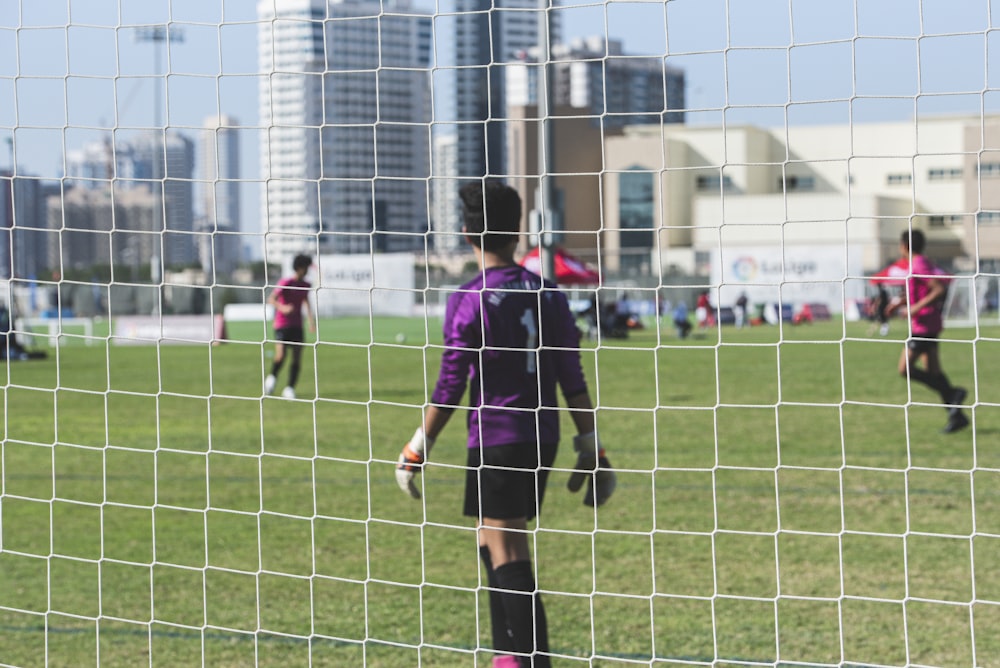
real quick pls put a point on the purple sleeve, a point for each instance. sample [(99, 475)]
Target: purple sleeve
[(566, 353), (462, 335)]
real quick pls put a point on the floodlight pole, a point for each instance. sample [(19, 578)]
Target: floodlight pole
[(548, 217), (159, 35)]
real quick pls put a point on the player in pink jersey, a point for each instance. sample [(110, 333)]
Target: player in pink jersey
[(290, 299), (925, 292)]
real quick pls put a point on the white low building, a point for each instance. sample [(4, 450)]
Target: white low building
[(856, 187)]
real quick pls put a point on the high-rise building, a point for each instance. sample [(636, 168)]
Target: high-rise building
[(96, 162), (446, 215), (159, 163), (596, 91), (489, 36), (346, 102), (596, 76), (218, 238), (23, 252), (104, 226), (165, 161)]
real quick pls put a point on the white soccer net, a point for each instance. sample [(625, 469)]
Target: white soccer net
[(784, 497)]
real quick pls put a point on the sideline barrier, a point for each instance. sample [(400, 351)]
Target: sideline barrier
[(55, 330), (167, 329)]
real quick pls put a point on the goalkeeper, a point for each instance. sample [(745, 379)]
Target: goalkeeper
[(511, 338)]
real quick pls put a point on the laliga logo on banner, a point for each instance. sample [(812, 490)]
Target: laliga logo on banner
[(745, 268)]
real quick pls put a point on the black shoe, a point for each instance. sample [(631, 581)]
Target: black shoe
[(956, 422), (957, 398)]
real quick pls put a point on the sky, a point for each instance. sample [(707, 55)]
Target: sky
[(71, 71)]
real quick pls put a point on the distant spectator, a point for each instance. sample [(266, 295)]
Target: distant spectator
[(703, 311), (805, 315), (614, 322), (590, 317), (681, 322), (741, 310), (663, 307)]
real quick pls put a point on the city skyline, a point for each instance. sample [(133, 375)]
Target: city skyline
[(770, 62)]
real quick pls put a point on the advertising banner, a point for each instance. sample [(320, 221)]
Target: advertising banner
[(165, 329), (377, 284), (793, 275)]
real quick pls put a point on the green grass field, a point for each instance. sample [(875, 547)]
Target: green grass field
[(783, 499)]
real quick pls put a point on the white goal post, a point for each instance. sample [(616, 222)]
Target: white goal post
[(971, 300)]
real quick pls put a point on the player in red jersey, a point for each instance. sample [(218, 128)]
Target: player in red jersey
[(290, 299), (925, 292)]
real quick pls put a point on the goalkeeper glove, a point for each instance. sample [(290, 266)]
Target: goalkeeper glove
[(593, 466), (411, 461)]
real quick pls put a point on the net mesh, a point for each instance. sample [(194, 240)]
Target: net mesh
[(784, 497)]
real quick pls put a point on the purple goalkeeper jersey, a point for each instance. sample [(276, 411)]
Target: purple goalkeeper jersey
[(511, 342)]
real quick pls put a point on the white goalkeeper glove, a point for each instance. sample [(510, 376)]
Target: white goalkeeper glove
[(411, 461), (593, 466)]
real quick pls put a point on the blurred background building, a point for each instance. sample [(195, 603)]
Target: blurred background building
[(219, 242), (346, 97)]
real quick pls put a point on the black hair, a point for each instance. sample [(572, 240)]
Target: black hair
[(492, 214), (301, 262), (914, 240)]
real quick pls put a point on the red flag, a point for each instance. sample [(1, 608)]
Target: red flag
[(569, 269)]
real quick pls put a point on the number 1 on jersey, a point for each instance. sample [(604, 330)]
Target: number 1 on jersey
[(528, 320)]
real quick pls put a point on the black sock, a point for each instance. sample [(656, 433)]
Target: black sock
[(502, 642), (525, 612), (293, 373), (276, 366)]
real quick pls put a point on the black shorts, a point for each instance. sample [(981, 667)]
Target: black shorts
[(505, 482), (919, 345), (290, 335)]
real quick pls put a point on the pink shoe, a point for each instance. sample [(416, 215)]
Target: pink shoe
[(506, 661)]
